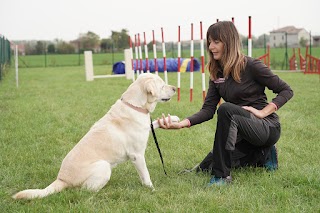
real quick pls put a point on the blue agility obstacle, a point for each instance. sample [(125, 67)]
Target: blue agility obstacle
[(171, 63)]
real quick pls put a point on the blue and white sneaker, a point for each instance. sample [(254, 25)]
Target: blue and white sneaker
[(272, 162), (216, 181)]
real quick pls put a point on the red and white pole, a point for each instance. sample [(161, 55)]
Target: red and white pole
[(249, 39), (131, 56), (179, 63), (155, 54), (146, 52), (137, 54), (191, 63), (164, 58), (140, 54), (202, 64)]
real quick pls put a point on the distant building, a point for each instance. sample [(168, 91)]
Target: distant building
[(289, 34), (316, 41)]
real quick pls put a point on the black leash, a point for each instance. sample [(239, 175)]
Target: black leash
[(157, 144)]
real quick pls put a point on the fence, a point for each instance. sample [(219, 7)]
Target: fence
[(5, 54), (309, 63)]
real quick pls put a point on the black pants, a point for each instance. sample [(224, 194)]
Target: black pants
[(241, 139)]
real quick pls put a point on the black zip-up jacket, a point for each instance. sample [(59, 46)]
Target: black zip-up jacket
[(249, 92)]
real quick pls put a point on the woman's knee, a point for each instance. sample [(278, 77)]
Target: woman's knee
[(225, 108)]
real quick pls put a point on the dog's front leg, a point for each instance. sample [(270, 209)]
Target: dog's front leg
[(141, 166)]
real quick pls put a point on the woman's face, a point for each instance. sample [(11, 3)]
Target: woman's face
[(216, 48)]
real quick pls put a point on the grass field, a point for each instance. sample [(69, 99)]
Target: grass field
[(54, 107)]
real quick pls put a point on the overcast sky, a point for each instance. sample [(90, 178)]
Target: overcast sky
[(66, 19)]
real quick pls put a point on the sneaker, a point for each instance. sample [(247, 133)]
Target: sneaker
[(272, 162), (216, 181)]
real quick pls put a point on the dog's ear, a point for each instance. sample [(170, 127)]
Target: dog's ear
[(150, 87)]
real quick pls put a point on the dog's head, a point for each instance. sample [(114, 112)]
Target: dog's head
[(147, 91)]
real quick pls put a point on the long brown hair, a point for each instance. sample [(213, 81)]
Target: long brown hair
[(233, 60)]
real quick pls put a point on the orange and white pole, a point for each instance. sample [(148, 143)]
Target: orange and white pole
[(164, 58), (191, 63), (131, 56), (140, 54), (146, 52), (154, 54), (249, 39), (179, 63), (202, 64), (137, 55)]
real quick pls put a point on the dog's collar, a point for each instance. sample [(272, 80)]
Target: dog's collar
[(139, 109)]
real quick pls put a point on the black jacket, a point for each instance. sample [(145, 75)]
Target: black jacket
[(249, 92)]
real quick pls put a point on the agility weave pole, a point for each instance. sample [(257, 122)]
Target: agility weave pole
[(202, 56)]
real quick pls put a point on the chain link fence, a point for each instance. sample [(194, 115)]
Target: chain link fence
[(5, 55)]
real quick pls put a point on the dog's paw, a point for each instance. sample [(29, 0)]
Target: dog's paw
[(173, 118)]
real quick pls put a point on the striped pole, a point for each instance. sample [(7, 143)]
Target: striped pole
[(179, 62), (137, 54), (140, 54), (146, 52), (191, 63), (164, 58), (155, 53), (131, 56), (249, 39), (202, 64)]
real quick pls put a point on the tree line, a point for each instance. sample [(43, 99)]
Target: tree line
[(118, 41)]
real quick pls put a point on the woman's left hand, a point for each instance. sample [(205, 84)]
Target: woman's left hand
[(257, 113)]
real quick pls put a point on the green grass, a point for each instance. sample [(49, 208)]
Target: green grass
[(54, 107)]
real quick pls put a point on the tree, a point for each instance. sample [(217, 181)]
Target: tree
[(106, 44), (51, 48), (40, 48), (89, 41), (64, 48), (120, 39), (303, 42), (261, 41)]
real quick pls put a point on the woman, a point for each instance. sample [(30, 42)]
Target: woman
[(247, 125)]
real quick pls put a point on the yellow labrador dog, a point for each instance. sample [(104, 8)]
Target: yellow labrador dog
[(120, 135)]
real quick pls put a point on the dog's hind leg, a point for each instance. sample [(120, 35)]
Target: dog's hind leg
[(99, 177)]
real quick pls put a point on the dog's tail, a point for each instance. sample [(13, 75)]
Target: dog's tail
[(54, 187)]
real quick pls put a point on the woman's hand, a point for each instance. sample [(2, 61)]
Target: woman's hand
[(254, 111), (267, 110), (168, 124)]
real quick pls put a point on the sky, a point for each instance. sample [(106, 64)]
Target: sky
[(67, 19)]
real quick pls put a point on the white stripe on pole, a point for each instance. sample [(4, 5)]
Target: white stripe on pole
[(164, 58), (137, 55), (154, 53), (131, 57), (140, 53), (203, 79), (146, 52), (191, 63)]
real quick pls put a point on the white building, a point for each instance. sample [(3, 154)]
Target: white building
[(289, 34)]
